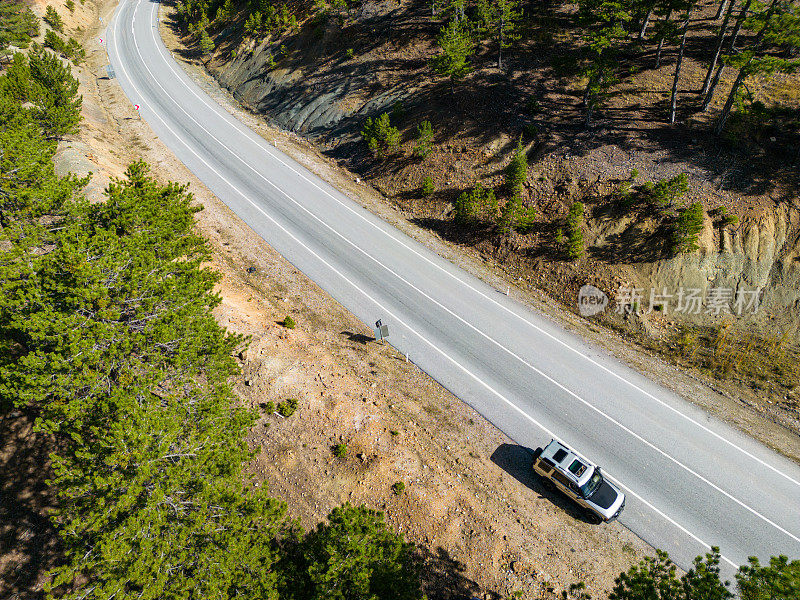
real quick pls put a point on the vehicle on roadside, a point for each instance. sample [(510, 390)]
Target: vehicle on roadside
[(580, 480)]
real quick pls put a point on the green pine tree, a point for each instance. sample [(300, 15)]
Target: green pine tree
[(780, 580), (381, 136), (54, 92), (604, 24), (688, 227), (457, 46), (206, 43), (18, 24), (574, 227), (776, 24), (354, 556), (517, 170), (507, 18), (52, 18), (424, 137)]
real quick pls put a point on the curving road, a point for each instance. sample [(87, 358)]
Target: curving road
[(691, 481)]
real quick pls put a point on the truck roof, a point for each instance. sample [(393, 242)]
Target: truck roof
[(572, 465)]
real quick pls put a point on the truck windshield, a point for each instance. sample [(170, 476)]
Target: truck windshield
[(589, 488)]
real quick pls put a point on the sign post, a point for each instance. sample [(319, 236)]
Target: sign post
[(381, 330)]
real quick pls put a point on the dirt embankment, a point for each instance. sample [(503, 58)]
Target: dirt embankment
[(325, 78), (485, 527)]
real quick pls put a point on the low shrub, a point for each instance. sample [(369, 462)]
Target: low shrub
[(687, 228), (424, 137), (287, 408), (479, 203), (381, 137), (575, 231), (427, 186)]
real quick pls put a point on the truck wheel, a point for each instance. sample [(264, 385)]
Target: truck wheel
[(593, 518), (537, 453)]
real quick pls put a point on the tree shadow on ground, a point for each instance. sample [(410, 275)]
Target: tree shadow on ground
[(443, 576), (448, 230), (636, 244), (29, 545), (517, 461), (359, 338)]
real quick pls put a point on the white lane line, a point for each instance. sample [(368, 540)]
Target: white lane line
[(384, 308), (469, 325), (260, 141)]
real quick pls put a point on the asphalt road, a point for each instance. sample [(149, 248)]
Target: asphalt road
[(691, 481)]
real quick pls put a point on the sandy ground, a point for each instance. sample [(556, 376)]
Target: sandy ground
[(486, 527)]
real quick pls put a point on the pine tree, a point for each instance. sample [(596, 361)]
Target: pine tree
[(665, 193), (474, 205), (517, 170), (424, 137), (655, 578), (666, 29), (54, 91), (778, 581), (206, 43), (353, 556), (381, 136), (52, 18), (15, 85), (778, 26), (485, 18), (723, 30), (729, 48), (687, 227), (604, 24), (674, 94), (18, 25), (457, 46), (506, 23), (574, 228), (645, 10), (121, 356)]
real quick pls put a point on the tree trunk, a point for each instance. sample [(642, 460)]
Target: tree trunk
[(661, 42), (500, 39), (726, 111), (739, 78), (712, 87), (721, 9), (718, 50), (731, 46), (587, 104), (646, 22), (674, 97), (738, 27)]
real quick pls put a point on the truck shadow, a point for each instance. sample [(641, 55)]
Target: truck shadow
[(517, 461)]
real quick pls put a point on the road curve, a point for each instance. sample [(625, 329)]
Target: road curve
[(691, 480)]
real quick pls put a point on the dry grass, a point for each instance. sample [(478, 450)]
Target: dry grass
[(768, 363)]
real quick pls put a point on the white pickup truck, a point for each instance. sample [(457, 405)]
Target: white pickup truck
[(579, 479)]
